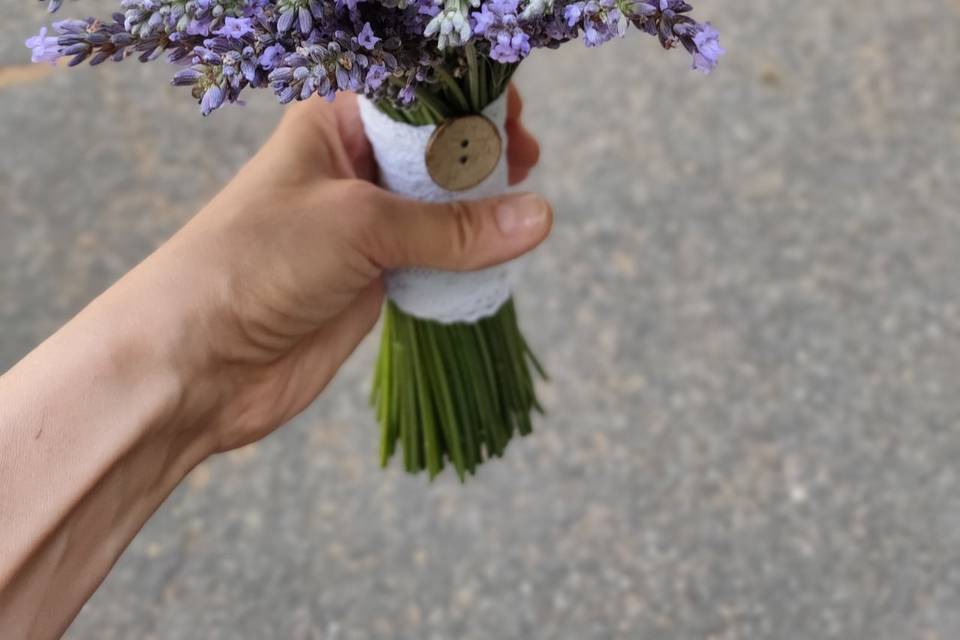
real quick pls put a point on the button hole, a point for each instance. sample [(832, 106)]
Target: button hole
[(463, 159), (464, 144)]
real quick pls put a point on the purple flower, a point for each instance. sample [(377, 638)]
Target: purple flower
[(44, 48), (498, 22), (366, 37), (707, 42), (600, 21), (388, 49), (235, 28), (198, 28), (248, 64), (186, 77), (511, 47), (75, 27), (272, 56), (212, 100), (376, 75), (427, 8), (572, 13), (592, 37), (408, 94), (484, 20), (285, 21)]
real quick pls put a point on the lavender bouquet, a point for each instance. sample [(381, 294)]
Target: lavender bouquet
[(454, 377)]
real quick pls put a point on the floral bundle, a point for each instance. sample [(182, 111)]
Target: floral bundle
[(454, 378)]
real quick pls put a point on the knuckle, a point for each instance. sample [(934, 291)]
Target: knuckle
[(356, 203), (359, 193), (352, 213), (373, 225)]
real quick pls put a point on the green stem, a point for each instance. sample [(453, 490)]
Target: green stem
[(473, 76), (431, 102), (453, 393), (451, 85)]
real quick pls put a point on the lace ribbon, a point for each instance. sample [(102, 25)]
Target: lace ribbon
[(430, 294)]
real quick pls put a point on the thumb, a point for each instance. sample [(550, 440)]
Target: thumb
[(456, 236)]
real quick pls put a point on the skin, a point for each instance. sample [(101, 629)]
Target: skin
[(225, 333)]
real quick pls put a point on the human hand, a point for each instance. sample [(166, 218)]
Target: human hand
[(280, 274), (223, 334)]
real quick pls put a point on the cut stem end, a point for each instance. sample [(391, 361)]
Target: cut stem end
[(452, 393)]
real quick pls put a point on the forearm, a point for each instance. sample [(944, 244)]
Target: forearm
[(96, 428), (229, 331)]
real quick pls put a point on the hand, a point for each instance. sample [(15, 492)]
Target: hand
[(223, 334), (281, 272)]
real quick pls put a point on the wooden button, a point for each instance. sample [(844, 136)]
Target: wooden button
[(462, 152)]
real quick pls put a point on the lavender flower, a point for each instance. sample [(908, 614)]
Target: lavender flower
[(377, 74), (707, 42), (498, 22), (44, 48), (235, 28), (366, 37), (212, 99), (272, 56), (387, 49), (600, 20), (408, 94), (187, 77)]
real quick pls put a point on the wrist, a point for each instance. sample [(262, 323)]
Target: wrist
[(154, 327)]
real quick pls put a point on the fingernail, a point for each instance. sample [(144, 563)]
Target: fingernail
[(520, 213)]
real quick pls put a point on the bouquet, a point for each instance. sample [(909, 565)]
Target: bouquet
[(454, 380)]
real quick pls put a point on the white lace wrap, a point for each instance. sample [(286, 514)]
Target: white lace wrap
[(444, 296)]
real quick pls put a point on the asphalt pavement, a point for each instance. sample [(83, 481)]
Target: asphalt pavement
[(750, 306)]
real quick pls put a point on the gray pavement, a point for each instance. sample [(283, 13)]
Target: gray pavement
[(750, 307)]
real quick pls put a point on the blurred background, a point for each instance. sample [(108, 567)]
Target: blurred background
[(750, 307)]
